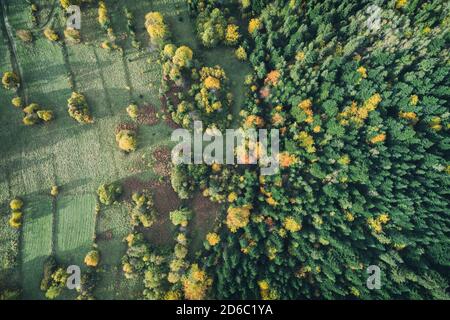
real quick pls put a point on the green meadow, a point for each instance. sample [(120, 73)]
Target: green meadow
[(75, 157)]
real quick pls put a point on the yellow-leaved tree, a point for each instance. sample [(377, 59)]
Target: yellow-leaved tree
[(182, 57), (196, 283), (237, 217), (156, 27)]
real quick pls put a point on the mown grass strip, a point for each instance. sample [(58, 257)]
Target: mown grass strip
[(75, 227), (36, 244)]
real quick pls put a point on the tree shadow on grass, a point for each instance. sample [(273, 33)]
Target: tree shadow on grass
[(32, 274)]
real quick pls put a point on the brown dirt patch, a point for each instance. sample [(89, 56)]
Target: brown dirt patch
[(126, 126), (162, 161), (147, 115), (132, 185), (165, 200), (105, 236), (205, 214)]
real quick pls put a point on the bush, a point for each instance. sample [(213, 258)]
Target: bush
[(241, 54), (181, 217), (126, 140), (180, 251), (34, 114), (54, 191), (143, 212), (51, 35), (109, 193), (78, 108), (49, 268), (211, 27), (53, 292), (92, 259), (133, 111), (16, 204), (16, 219), (72, 35), (10, 80), (30, 119), (45, 115), (17, 102), (180, 182)]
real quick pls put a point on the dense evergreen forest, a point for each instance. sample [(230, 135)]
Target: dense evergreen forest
[(363, 110)]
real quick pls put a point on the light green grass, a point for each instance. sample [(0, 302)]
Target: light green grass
[(36, 243), (75, 227), (79, 158)]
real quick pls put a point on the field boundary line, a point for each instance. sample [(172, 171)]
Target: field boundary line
[(102, 78), (17, 68)]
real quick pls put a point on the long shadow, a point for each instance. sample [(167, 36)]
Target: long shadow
[(33, 274)]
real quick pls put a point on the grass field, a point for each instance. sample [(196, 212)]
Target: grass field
[(78, 158), (36, 243)]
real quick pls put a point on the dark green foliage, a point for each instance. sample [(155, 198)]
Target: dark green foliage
[(372, 188), (109, 193)]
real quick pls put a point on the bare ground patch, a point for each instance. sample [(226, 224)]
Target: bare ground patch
[(162, 161), (147, 116), (165, 200), (206, 213)]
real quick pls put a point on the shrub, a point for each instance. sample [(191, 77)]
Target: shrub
[(16, 204), (33, 114), (17, 102), (103, 18), (49, 268), (133, 111), (31, 108), (45, 115), (78, 108), (212, 238), (16, 219), (180, 251), (54, 191), (109, 193), (143, 211), (72, 35), (180, 182), (183, 57), (232, 34), (237, 218), (10, 80), (181, 217), (241, 54), (50, 34), (92, 259), (211, 27), (53, 292), (126, 140), (30, 119)]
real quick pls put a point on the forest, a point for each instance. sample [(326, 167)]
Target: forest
[(359, 92)]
